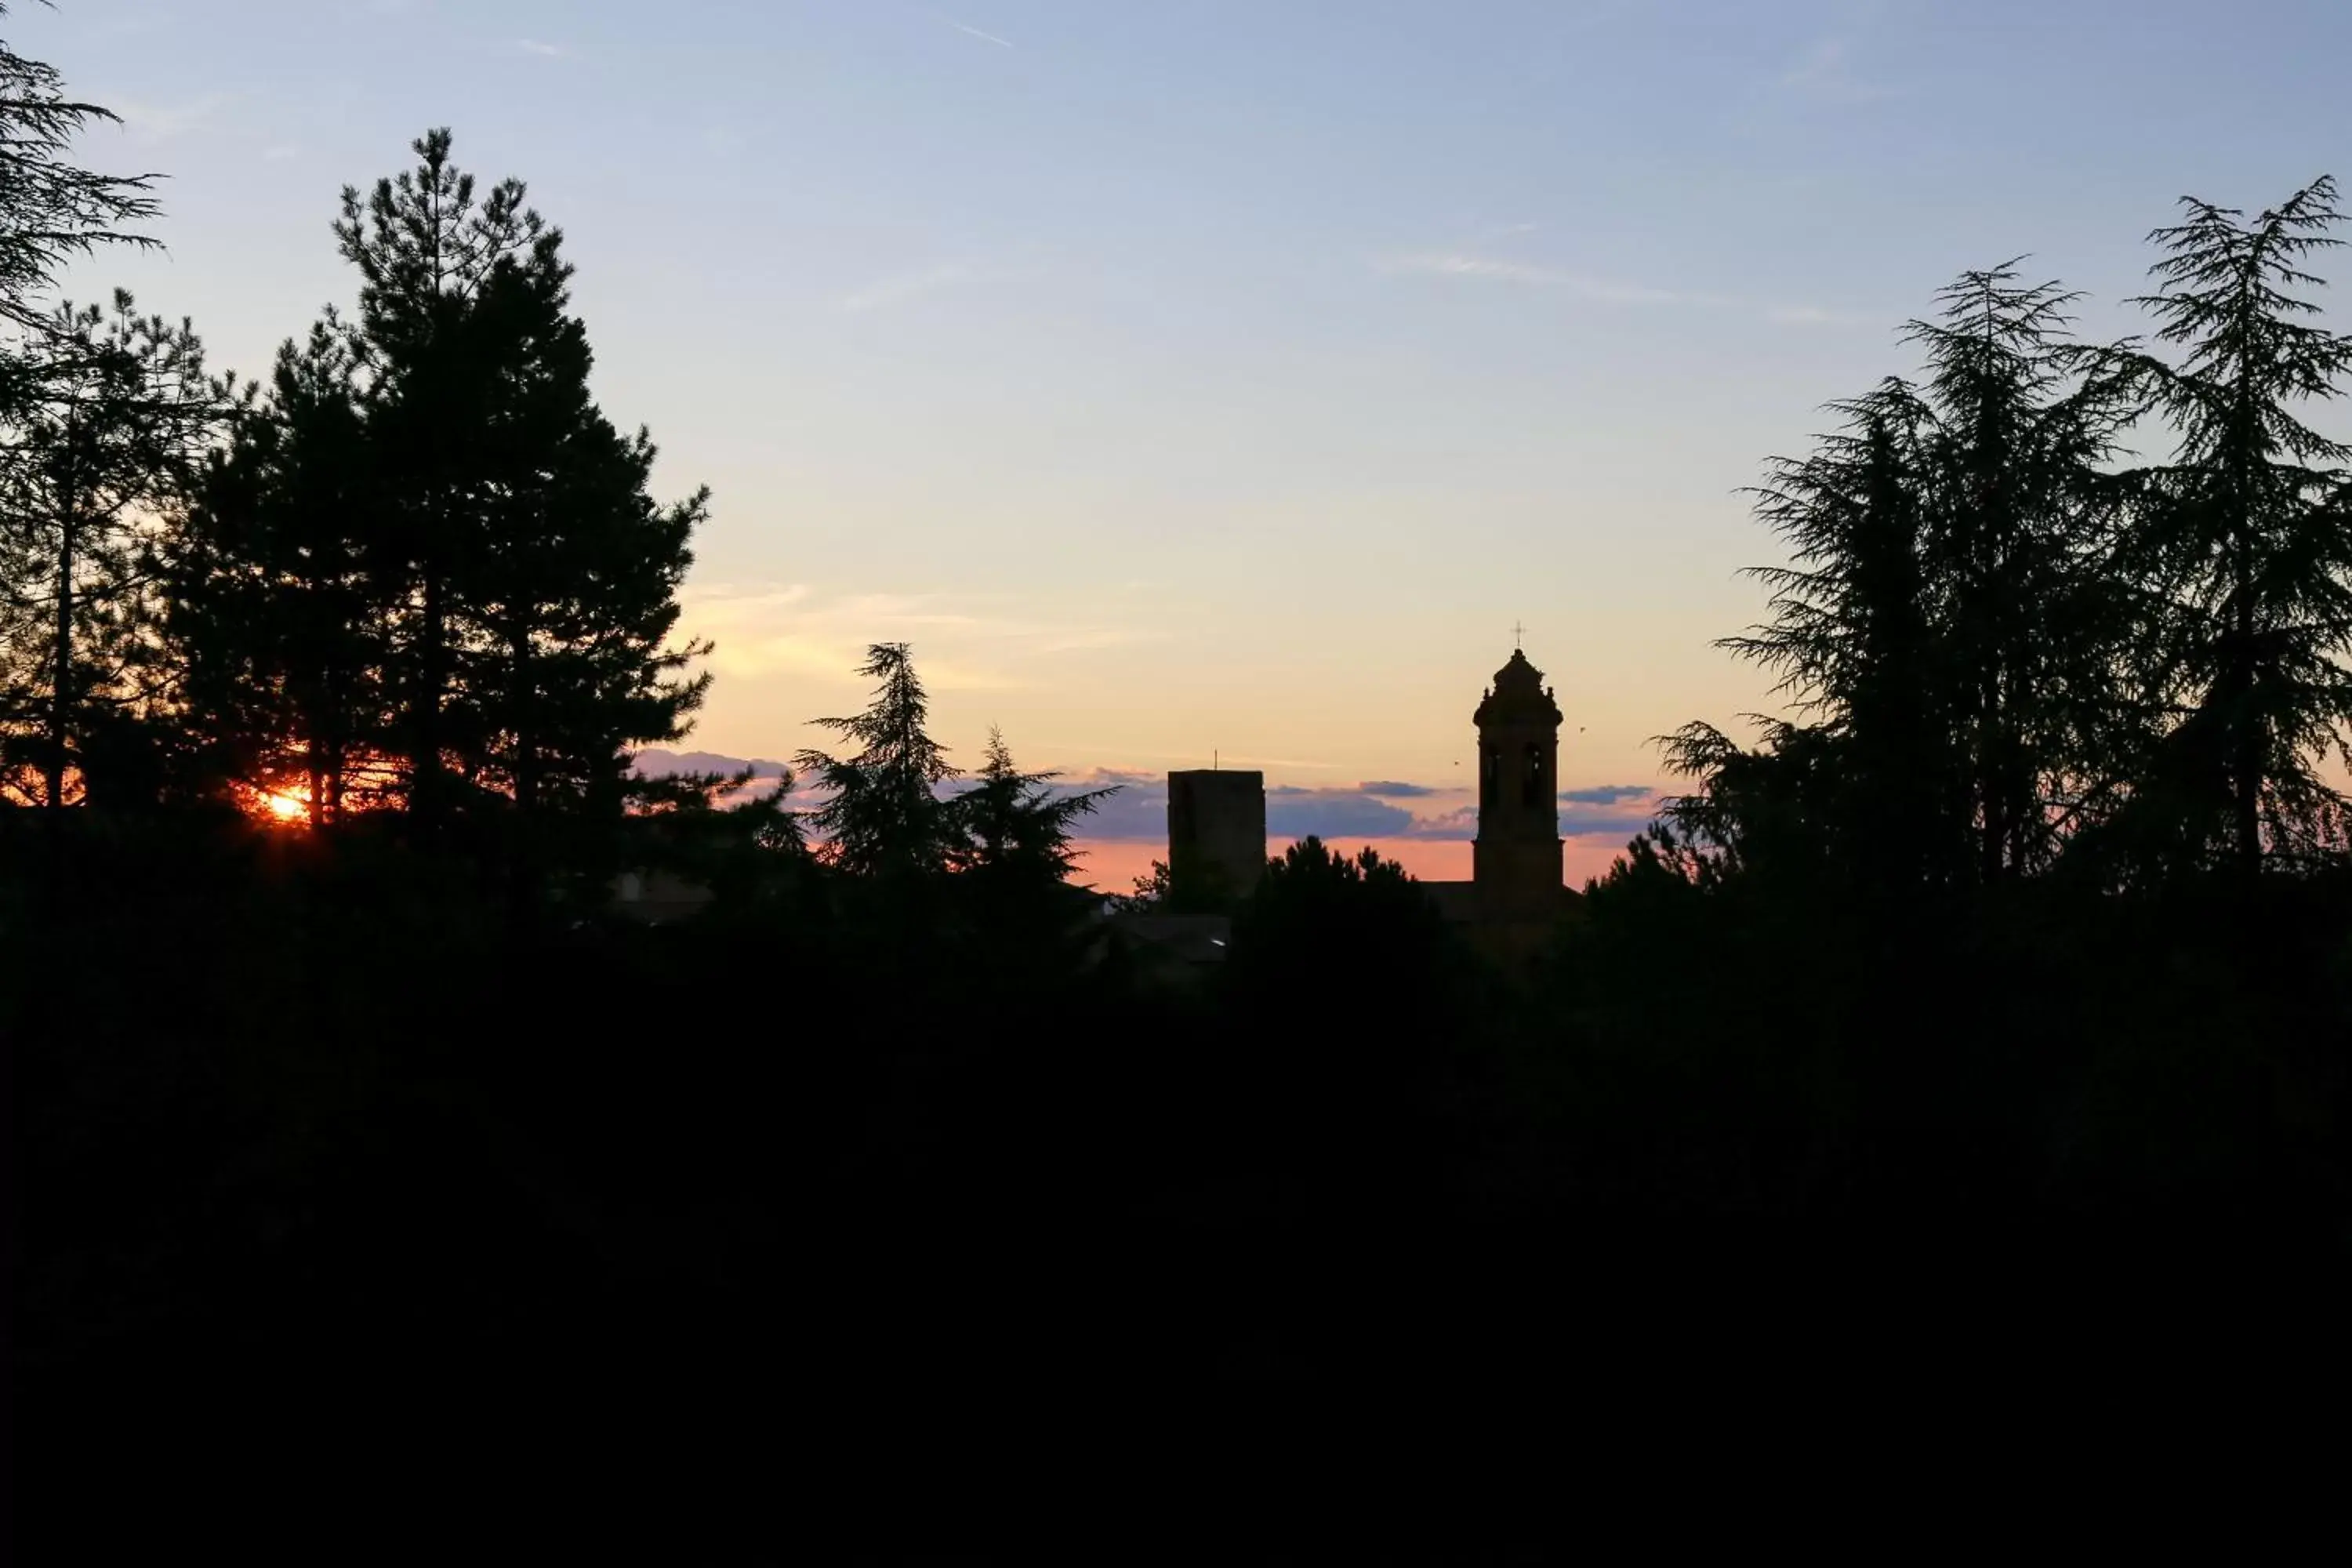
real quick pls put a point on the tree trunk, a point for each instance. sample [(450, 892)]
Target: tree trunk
[(526, 771), (527, 889), (2247, 808), (61, 695), (326, 749), (424, 759)]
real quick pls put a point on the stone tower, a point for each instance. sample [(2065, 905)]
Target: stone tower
[(1216, 833), (1515, 862)]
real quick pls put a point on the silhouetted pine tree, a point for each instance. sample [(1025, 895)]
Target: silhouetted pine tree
[(281, 636), (576, 585), (531, 581), (426, 249), (103, 437), (883, 815), (2247, 534)]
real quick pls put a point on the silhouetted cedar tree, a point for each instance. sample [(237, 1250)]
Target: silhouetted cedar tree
[(52, 210), (1951, 629), (2246, 534), (1016, 826), (2019, 511), (882, 814)]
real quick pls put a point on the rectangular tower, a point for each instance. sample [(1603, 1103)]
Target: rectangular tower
[(1216, 832)]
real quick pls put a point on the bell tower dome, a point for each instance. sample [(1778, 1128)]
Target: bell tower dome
[(1515, 862)]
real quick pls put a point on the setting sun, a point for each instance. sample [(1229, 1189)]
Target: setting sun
[(285, 807)]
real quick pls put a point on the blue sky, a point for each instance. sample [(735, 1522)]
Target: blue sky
[(1183, 376)]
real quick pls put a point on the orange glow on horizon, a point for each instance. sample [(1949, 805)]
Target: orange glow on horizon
[(1112, 866)]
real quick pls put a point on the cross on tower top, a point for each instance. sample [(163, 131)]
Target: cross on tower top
[(1518, 634)]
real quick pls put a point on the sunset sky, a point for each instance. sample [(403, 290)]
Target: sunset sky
[(1194, 377)]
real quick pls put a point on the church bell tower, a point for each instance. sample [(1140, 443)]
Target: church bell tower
[(1515, 862)]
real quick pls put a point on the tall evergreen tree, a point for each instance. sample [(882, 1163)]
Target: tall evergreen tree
[(122, 408), (884, 815), (2247, 530), (1949, 625), (426, 248), (1014, 828), (2021, 510), (52, 210), (280, 635), (575, 588), (1871, 775), (530, 581)]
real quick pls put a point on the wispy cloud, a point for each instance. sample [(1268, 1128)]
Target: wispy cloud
[(900, 287), (1501, 231), (1606, 794), (1824, 73), (1194, 759), (544, 50), (1497, 269), (660, 762), (970, 31), (152, 122), (963, 642), (1438, 815), (128, 25), (1817, 316), (1393, 789), (281, 153), (1453, 824), (1486, 268), (1605, 822)]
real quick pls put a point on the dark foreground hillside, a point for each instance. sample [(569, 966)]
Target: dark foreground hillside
[(336, 1184)]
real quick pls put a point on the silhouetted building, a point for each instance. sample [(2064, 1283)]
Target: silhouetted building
[(1515, 862), (656, 896), (1515, 892), (1216, 831), (1171, 950)]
